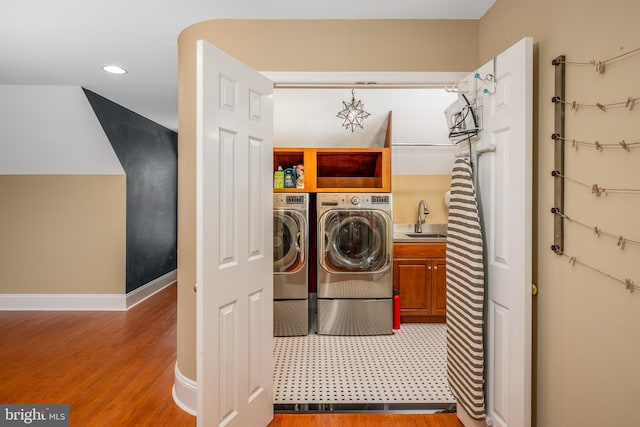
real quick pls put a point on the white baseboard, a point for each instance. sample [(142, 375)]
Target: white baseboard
[(185, 392), (84, 302), (63, 302), (467, 421), (145, 291)]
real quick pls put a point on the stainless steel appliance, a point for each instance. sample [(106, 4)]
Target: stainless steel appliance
[(354, 263), (290, 264)]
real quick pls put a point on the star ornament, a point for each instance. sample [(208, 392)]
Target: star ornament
[(353, 113)]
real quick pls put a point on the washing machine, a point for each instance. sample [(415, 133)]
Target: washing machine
[(354, 264), (290, 264)]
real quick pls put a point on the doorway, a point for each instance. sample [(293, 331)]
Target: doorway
[(407, 370), (506, 339)]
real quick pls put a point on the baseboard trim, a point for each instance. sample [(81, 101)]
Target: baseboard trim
[(63, 302), (466, 419), (85, 302), (145, 291), (185, 392)]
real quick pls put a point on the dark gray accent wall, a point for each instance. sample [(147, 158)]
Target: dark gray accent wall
[(148, 153)]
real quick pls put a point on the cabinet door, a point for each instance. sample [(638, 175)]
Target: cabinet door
[(419, 272), (439, 287), (412, 278)]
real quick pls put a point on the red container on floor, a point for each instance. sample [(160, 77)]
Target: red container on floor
[(396, 309)]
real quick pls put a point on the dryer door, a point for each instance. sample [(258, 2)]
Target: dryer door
[(288, 241), (355, 241)]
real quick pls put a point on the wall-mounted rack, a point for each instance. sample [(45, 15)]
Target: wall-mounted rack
[(558, 164), (559, 138)]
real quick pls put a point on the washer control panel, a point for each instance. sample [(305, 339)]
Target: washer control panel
[(351, 200)]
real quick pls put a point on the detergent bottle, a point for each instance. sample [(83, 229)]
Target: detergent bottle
[(290, 178), (278, 178), (300, 176)]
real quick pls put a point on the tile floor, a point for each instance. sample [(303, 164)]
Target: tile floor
[(408, 367)]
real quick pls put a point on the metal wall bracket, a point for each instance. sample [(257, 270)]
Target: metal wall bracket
[(558, 172)]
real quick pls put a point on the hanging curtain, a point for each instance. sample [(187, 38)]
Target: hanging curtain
[(465, 294)]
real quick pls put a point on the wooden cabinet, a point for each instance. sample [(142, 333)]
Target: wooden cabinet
[(336, 170), (419, 272)]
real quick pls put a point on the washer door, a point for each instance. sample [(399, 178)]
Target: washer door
[(288, 241), (354, 241)]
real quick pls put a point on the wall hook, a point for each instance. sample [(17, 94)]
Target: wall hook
[(489, 78)]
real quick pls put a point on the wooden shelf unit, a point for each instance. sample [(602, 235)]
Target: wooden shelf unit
[(290, 157), (334, 170), (352, 170)]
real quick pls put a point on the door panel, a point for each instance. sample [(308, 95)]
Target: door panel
[(499, 319), (234, 256), (413, 280), (504, 192), (228, 368), (439, 287), (257, 173), (228, 199), (256, 345), (500, 202)]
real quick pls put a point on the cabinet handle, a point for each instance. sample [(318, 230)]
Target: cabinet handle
[(429, 267), (435, 268)]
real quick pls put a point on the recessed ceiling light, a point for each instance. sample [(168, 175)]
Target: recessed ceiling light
[(114, 69)]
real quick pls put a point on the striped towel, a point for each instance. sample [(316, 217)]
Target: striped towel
[(465, 294)]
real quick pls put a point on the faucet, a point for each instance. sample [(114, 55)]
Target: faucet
[(421, 219)]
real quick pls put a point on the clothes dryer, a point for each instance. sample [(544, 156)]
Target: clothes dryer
[(290, 264), (354, 264)]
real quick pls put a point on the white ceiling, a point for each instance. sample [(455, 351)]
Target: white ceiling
[(66, 42)]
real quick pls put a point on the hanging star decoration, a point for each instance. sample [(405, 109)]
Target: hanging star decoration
[(353, 113)]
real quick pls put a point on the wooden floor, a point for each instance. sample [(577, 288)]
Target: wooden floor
[(365, 420), (116, 369)]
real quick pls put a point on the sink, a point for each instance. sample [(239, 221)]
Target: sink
[(431, 233), (427, 235)]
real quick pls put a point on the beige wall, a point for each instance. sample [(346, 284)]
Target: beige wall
[(408, 190), (587, 346), (391, 45), (587, 325), (62, 234), (322, 45)]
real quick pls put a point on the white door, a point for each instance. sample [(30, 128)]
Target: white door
[(234, 242), (505, 188)]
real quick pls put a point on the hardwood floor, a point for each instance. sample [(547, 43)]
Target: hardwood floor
[(112, 368), (366, 420), (116, 369)]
